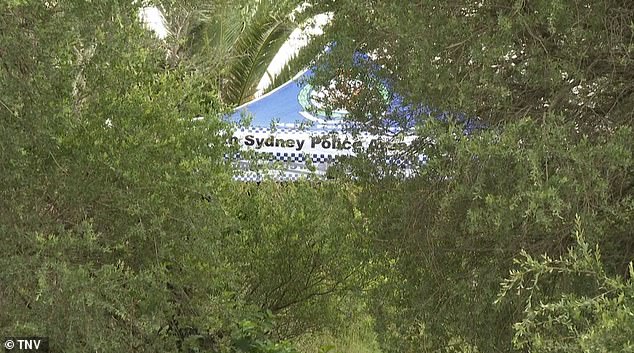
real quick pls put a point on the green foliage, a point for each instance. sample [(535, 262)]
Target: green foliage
[(122, 230), (598, 319), (305, 251), (550, 82), (443, 239), (119, 222), (357, 337), (232, 41), (106, 234), (496, 60), (252, 336)]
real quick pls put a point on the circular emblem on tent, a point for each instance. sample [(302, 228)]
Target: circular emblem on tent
[(314, 101)]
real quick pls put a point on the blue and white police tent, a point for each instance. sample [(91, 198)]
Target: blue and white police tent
[(293, 134)]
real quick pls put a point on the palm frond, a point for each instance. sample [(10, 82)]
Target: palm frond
[(233, 44), (304, 58), (257, 46)]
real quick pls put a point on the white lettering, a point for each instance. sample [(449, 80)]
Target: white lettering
[(29, 344)]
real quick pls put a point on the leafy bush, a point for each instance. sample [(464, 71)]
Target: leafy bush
[(598, 318)]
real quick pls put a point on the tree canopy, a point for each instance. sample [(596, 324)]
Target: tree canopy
[(123, 229)]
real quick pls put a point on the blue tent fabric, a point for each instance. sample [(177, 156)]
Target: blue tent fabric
[(292, 105), (280, 104)]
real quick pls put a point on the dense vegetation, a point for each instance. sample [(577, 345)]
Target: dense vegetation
[(122, 229)]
